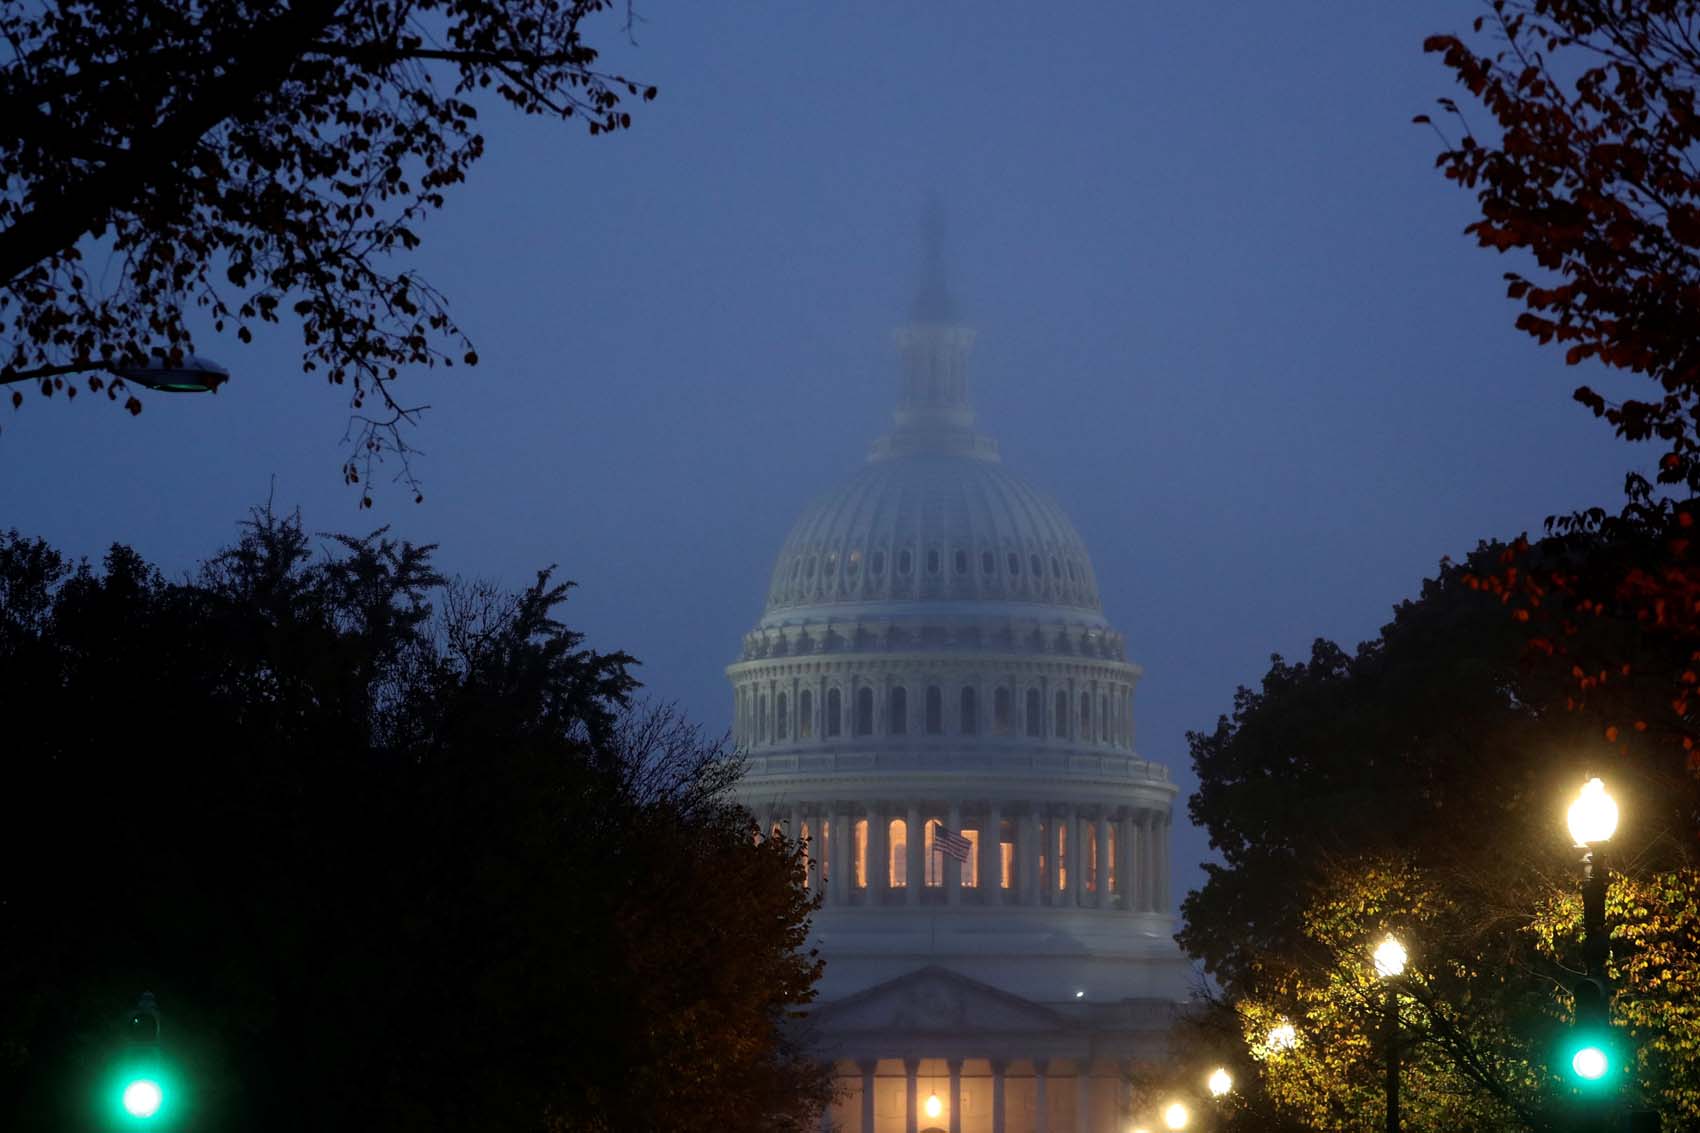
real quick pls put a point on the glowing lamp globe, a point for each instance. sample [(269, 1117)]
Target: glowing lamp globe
[(1220, 1082), (142, 1098), (1593, 816), (1282, 1037), (933, 1106), (1175, 1116), (1389, 957)]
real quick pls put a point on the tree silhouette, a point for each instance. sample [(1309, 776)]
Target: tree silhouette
[(392, 852), (1593, 175)]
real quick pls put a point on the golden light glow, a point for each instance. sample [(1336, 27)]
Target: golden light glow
[(1220, 1081), (1282, 1036), (1593, 816), (933, 1107), (1389, 957), (1176, 1116)]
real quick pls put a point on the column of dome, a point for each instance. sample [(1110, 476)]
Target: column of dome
[(863, 853)]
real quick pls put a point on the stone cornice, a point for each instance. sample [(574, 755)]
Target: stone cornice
[(980, 664)]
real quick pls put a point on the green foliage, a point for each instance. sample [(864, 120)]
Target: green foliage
[(257, 160), (393, 851), (1418, 785), (1655, 971)]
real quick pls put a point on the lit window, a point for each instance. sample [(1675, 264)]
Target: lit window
[(1062, 856), (971, 867), (1089, 855), (1008, 866), (897, 839), (1112, 882), (934, 856), (861, 835)]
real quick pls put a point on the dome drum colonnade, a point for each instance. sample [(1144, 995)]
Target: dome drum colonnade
[(1107, 857), (934, 653)]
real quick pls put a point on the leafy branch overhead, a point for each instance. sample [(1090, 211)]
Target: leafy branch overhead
[(1594, 175), (251, 161)]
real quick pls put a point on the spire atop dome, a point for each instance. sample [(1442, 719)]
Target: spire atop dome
[(933, 303), (933, 413)]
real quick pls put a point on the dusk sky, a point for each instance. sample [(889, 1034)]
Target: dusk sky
[(1226, 316)]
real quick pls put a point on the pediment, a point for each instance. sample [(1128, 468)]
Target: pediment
[(936, 1000)]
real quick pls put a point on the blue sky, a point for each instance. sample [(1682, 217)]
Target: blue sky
[(1226, 316)]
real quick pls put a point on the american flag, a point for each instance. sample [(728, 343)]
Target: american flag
[(955, 845)]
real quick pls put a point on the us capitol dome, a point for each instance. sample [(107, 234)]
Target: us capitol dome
[(933, 677)]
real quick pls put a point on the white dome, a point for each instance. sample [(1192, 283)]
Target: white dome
[(932, 527)]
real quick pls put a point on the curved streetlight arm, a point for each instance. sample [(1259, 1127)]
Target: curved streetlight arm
[(192, 375)]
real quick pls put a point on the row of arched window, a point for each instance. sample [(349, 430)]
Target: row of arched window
[(932, 562), (1100, 717)]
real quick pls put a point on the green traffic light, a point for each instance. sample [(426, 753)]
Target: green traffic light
[(1590, 1063), (142, 1098)]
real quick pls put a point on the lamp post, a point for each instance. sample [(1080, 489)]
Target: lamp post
[(1389, 965), (1593, 820)]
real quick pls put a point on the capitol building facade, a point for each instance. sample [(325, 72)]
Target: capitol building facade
[(934, 660)]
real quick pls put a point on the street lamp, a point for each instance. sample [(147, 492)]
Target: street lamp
[(1219, 1082), (1176, 1115), (1282, 1037), (1390, 960), (1592, 820)]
